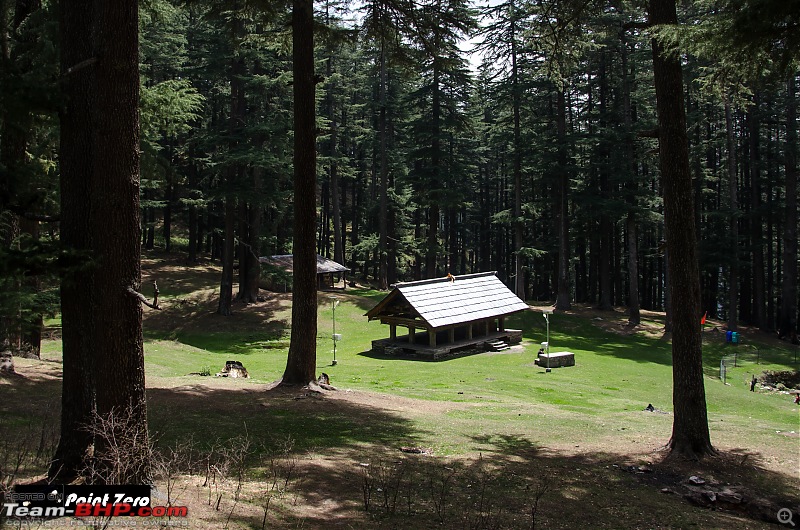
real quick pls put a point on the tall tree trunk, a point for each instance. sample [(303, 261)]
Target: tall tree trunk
[(226, 282), (788, 312), (119, 350), (384, 170), (101, 315), (759, 300), (634, 316), (605, 301), (563, 301), (519, 277), (435, 194), (233, 171), (250, 268), (631, 222), (690, 435), (733, 224), (76, 153), (302, 359)]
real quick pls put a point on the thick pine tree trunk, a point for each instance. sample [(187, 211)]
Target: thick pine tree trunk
[(76, 152), (301, 362), (118, 344), (102, 319), (690, 435)]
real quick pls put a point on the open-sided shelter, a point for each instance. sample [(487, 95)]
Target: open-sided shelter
[(326, 268), (448, 315)]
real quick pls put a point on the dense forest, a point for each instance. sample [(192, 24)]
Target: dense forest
[(519, 136)]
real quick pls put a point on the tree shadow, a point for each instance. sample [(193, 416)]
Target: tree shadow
[(309, 419), (516, 482)]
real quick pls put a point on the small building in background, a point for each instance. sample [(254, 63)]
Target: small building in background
[(277, 273), (448, 316)]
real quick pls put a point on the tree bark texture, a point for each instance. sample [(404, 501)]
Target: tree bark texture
[(301, 362), (690, 435), (76, 154), (102, 322), (118, 350)]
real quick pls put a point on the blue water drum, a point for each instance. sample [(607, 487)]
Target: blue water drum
[(728, 336)]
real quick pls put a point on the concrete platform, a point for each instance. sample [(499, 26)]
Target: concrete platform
[(401, 346), (557, 359)]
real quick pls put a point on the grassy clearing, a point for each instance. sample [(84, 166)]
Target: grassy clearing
[(493, 421)]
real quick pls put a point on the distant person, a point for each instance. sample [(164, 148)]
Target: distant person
[(797, 399), (753, 384)]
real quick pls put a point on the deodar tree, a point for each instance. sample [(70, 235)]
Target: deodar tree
[(301, 362), (103, 396), (690, 435)]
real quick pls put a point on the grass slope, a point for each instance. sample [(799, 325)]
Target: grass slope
[(573, 423)]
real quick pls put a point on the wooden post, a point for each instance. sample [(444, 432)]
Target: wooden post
[(451, 335), (432, 337), (501, 324), (392, 331), (469, 331), (411, 332)]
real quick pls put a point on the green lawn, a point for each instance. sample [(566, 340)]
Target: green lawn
[(575, 421)]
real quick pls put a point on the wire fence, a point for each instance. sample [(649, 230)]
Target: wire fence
[(747, 355)]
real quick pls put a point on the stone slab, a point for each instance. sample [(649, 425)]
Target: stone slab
[(557, 359)]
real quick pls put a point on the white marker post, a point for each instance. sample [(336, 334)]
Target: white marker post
[(546, 345)]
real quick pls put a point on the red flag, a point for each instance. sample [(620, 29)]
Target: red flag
[(703, 320)]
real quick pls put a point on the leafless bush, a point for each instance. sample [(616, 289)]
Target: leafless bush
[(122, 453), (440, 480), (535, 493), (280, 467), (480, 505)]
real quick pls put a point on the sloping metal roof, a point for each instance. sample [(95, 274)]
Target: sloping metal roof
[(444, 302), (286, 262)]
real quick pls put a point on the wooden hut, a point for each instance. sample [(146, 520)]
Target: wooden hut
[(326, 270), (448, 316)]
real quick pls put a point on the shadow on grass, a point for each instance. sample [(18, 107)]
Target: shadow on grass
[(517, 483), (276, 415), (568, 332)]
